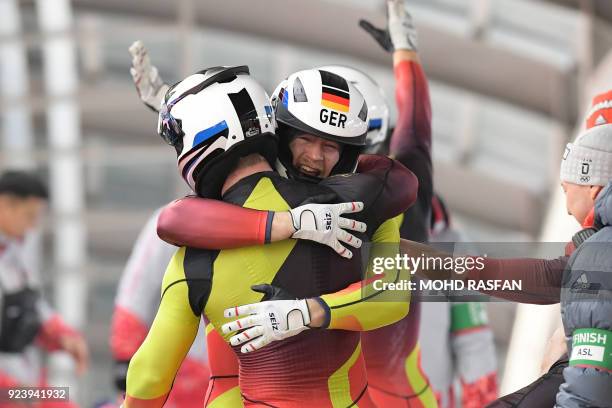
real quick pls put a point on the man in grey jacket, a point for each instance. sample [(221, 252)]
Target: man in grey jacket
[(581, 281), (586, 295)]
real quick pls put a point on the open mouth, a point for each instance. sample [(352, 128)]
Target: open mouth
[(309, 171)]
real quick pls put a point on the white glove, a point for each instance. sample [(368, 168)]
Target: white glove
[(322, 223), (401, 28), (400, 33), (266, 322), (149, 85)]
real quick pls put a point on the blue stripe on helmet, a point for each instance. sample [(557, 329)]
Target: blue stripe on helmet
[(285, 98), (268, 111), (205, 134), (375, 124)]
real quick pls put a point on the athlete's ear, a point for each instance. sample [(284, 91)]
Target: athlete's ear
[(595, 191), (272, 292)]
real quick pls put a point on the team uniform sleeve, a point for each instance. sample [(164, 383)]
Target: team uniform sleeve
[(154, 366), (386, 188), (395, 185), (366, 305), (211, 224), (411, 143), (541, 278), (137, 297), (411, 138)]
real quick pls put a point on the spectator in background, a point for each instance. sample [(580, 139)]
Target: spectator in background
[(27, 322), (455, 337)]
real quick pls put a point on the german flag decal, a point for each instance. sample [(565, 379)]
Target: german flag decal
[(335, 92)]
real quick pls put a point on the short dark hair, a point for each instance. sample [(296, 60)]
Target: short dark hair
[(22, 184)]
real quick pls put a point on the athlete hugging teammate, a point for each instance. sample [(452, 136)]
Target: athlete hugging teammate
[(411, 141), (217, 121)]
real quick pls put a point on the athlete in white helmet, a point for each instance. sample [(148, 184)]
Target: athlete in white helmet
[(378, 107), (208, 142), (412, 385)]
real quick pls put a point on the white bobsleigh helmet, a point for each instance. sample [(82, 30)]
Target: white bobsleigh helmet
[(378, 108), (322, 104), (213, 118)]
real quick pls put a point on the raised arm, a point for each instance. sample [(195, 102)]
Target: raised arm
[(410, 141), (149, 85)]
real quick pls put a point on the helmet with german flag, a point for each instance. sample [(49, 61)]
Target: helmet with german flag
[(378, 107), (322, 104)]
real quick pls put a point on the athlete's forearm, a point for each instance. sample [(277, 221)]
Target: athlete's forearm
[(404, 55), (212, 224), (321, 312), (411, 139), (128, 332), (371, 303), (362, 306), (541, 278), (413, 128)]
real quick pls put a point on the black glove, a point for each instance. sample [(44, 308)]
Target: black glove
[(400, 33), (382, 37), (272, 292)]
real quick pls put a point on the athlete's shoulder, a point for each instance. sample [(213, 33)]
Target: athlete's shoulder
[(368, 188), (239, 192), (296, 192), (351, 186)]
